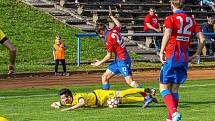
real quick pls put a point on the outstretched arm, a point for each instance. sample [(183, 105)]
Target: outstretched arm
[(105, 59), (81, 103), (118, 24)]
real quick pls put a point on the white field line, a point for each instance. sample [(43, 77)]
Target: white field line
[(29, 96)]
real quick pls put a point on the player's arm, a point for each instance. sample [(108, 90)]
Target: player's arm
[(81, 103), (201, 38), (105, 59), (118, 24), (151, 27), (165, 40)]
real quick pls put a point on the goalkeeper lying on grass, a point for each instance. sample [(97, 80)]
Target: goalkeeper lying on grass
[(97, 98)]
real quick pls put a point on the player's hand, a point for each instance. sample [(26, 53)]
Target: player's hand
[(55, 105), (162, 58), (11, 69), (110, 12), (97, 63), (194, 58)]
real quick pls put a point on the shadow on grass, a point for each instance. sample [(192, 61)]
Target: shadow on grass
[(190, 104)]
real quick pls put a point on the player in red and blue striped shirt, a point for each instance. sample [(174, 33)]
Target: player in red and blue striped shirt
[(179, 29), (122, 63)]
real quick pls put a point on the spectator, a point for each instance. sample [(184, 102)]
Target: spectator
[(152, 25), (58, 53), (207, 27), (210, 3)]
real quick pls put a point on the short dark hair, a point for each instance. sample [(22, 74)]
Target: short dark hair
[(65, 91), (100, 26), (178, 3)]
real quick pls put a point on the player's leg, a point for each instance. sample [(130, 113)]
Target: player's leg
[(109, 73), (174, 90), (168, 97), (12, 54), (166, 77), (124, 68), (125, 100), (63, 65), (181, 72), (130, 91), (105, 79)]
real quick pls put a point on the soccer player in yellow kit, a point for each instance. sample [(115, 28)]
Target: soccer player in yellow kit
[(97, 98), (12, 51)]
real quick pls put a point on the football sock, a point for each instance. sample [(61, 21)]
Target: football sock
[(142, 93), (125, 100), (176, 100), (169, 101), (130, 91), (105, 86)]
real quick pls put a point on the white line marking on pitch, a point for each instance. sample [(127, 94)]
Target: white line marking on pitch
[(10, 97)]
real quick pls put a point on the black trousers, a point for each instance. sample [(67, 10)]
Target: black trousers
[(156, 40), (63, 64)]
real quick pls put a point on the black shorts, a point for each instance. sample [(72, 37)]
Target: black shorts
[(3, 40)]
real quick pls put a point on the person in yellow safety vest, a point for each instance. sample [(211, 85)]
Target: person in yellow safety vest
[(58, 54)]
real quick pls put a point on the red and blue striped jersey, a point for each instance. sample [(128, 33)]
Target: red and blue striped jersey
[(114, 43), (183, 27)]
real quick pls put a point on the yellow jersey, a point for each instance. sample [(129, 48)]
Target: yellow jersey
[(93, 99), (2, 35)]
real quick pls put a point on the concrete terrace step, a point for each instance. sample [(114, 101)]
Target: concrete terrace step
[(43, 5), (74, 21), (86, 28), (59, 13)]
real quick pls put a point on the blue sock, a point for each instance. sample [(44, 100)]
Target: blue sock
[(105, 86), (175, 96), (139, 86)]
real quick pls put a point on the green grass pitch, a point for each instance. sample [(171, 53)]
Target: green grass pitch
[(197, 104)]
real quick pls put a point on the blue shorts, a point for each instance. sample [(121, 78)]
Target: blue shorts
[(121, 67), (173, 72)]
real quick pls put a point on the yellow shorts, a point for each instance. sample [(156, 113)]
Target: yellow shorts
[(103, 95), (2, 37)]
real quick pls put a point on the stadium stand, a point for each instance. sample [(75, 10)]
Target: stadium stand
[(83, 14)]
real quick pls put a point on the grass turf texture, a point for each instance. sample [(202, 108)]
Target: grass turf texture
[(32, 32), (197, 104)]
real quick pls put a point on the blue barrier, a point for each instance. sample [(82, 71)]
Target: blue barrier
[(123, 34), (79, 44)]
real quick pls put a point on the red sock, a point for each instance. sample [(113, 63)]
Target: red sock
[(170, 103), (176, 105), (143, 94)]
